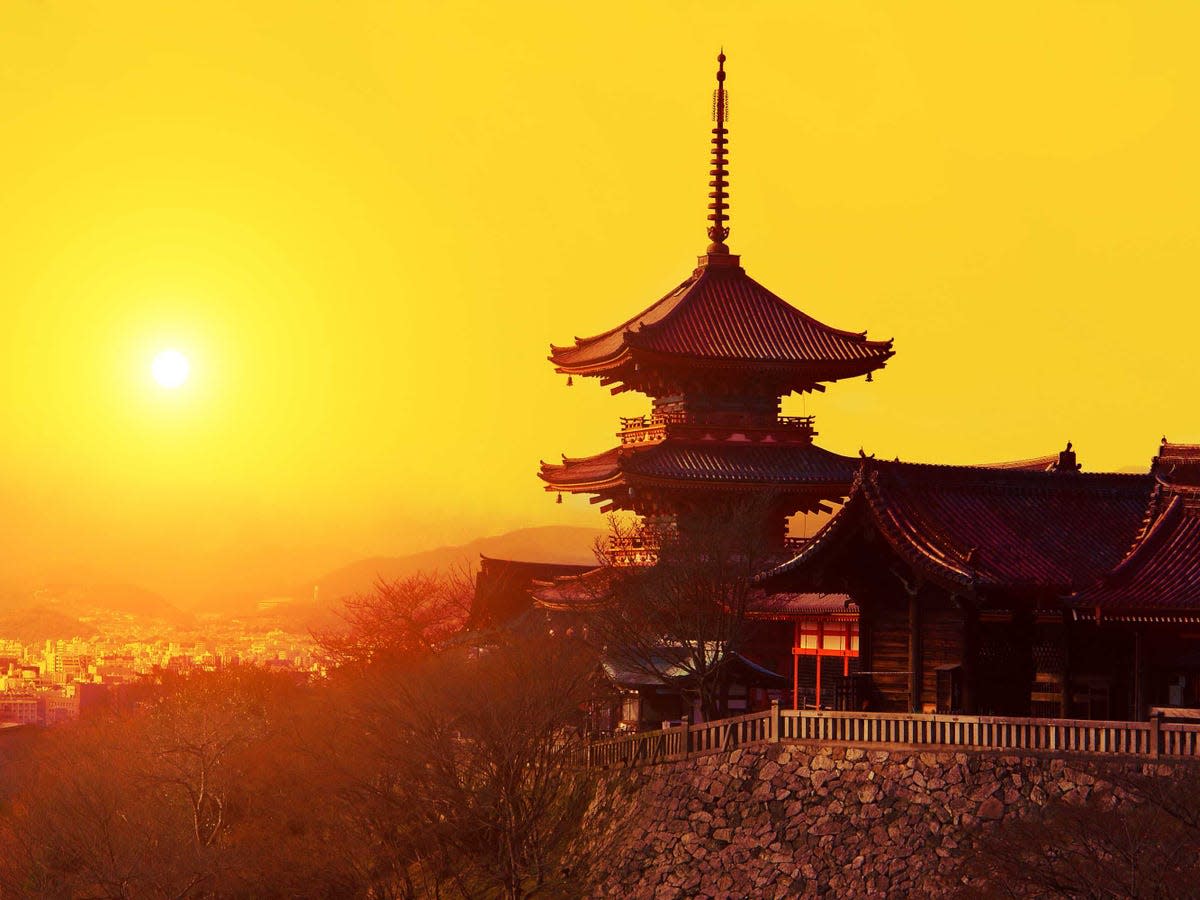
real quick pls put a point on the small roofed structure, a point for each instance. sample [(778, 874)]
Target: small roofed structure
[(657, 689), (824, 629), (959, 574)]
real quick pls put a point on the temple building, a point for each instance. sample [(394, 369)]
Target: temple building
[(1027, 588), (959, 573), (715, 356), (1145, 611)]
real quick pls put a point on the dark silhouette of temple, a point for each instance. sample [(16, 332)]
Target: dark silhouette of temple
[(715, 355), (1029, 588)]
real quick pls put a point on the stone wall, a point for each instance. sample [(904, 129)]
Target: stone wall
[(789, 820)]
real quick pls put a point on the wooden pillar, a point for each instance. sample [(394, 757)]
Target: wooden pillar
[(970, 652), (1064, 705), (1139, 680), (820, 647), (850, 629), (796, 664), (914, 652)]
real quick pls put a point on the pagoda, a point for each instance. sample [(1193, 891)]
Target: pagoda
[(715, 356)]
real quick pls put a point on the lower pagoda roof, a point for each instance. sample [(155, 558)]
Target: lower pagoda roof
[(983, 527), (713, 464)]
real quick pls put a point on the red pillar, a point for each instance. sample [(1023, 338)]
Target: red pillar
[(820, 648), (796, 664)]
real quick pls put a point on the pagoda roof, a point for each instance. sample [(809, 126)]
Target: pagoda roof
[(1161, 570), (986, 527), (711, 463), (722, 316)]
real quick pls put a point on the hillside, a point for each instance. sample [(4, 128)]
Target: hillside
[(32, 625), (550, 543)]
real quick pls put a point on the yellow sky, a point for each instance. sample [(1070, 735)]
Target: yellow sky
[(364, 223)]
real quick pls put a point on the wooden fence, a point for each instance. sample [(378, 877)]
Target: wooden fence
[(1154, 739)]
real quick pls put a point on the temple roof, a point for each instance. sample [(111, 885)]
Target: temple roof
[(985, 526), (671, 664), (1161, 570), (720, 315), (502, 588), (708, 463), (575, 592), (788, 605)]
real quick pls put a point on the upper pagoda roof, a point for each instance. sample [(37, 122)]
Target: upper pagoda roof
[(721, 315), (986, 527), (1161, 570)]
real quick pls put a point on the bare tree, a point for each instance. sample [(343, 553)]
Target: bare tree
[(683, 618), (408, 616)]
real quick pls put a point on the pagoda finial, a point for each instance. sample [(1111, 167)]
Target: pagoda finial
[(718, 205)]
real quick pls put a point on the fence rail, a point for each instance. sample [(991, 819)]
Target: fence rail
[(1149, 740)]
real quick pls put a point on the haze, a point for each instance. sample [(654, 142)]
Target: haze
[(363, 223)]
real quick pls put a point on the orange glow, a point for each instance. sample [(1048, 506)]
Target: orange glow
[(365, 222)]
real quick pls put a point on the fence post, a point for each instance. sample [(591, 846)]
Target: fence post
[(1155, 734), (775, 723), (687, 735)]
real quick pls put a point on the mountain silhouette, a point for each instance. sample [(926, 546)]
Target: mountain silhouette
[(548, 543)]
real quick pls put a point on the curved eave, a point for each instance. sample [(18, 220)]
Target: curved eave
[(585, 474), (604, 361), (592, 367), (594, 486), (921, 541), (704, 466), (806, 371), (827, 489), (820, 542), (910, 543), (915, 543), (792, 371), (1148, 541)]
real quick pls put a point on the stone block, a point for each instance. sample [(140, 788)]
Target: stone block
[(991, 809)]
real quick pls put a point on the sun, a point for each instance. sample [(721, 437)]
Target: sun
[(170, 368)]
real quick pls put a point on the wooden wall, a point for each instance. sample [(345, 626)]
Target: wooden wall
[(941, 629)]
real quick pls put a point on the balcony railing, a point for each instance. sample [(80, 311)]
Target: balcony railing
[(655, 427), (1154, 739), (632, 550)]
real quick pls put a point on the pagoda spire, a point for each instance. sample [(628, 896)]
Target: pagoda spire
[(718, 231)]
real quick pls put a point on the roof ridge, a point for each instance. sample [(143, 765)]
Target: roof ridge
[(1150, 536), (990, 473), (626, 325), (908, 540)]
